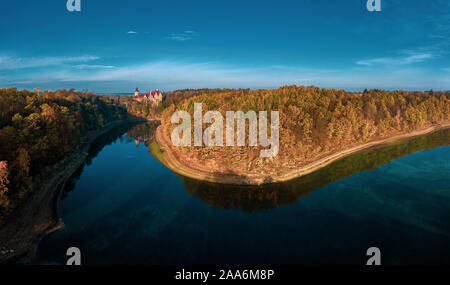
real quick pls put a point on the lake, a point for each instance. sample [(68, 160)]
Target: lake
[(125, 207)]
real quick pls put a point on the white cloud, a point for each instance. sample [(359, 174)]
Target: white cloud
[(197, 74), (93, 66), (181, 37), (176, 74), (400, 60), (132, 32), (33, 62)]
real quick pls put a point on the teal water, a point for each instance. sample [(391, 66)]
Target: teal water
[(125, 207)]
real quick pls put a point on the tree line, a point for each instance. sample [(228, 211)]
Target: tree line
[(40, 128), (313, 122)]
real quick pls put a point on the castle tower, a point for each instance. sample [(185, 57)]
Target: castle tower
[(158, 97), (136, 93)]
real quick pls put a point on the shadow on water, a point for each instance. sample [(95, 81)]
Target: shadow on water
[(131, 219), (265, 197), (96, 147)]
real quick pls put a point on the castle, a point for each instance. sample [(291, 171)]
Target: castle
[(154, 98)]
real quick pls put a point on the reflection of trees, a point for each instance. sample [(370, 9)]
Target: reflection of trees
[(96, 147), (144, 132), (259, 198)]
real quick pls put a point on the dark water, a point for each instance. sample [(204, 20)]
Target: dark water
[(125, 207)]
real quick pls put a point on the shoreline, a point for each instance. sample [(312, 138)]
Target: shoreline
[(37, 215), (176, 166)]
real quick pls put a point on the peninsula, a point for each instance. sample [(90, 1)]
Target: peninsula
[(317, 127)]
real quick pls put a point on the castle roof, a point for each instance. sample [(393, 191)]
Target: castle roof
[(153, 94)]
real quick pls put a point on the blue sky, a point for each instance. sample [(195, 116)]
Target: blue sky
[(116, 46)]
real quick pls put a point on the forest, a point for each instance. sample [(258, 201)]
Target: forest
[(139, 109), (314, 122), (146, 110), (39, 129)]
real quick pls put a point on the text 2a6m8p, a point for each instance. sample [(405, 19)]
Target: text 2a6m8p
[(261, 274)]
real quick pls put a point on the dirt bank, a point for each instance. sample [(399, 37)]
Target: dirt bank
[(171, 161)]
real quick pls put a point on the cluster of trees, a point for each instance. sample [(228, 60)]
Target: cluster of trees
[(146, 110), (313, 122), (39, 129), (143, 109), (174, 97)]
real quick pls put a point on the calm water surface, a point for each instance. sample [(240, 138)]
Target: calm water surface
[(125, 207)]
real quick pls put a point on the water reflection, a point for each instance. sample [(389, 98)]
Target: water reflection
[(127, 208), (260, 198), (96, 147), (143, 132)]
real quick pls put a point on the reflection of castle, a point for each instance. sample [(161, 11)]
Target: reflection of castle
[(143, 132), (154, 98)]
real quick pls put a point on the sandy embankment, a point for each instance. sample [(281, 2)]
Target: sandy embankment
[(38, 214), (175, 164)]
